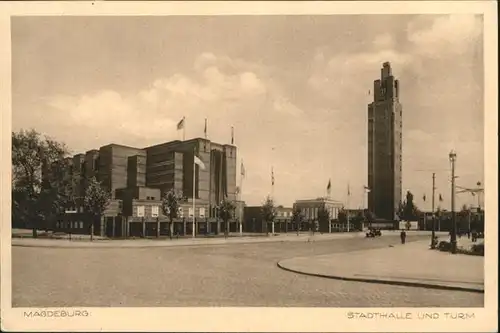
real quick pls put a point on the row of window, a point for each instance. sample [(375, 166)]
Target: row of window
[(71, 224), (155, 212), (312, 213), (284, 214)]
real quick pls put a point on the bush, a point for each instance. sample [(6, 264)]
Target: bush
[(444, 246), (478, 249)]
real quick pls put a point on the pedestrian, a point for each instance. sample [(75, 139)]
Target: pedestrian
[(403, 237), (468, 234)]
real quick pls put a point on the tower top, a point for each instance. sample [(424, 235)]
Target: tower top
[(386, 70)]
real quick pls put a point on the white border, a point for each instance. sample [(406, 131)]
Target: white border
[(245, 319)]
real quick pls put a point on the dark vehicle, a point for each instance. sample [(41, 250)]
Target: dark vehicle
[(373, 233)]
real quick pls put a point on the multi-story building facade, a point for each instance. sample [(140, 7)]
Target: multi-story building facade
[(385, 139), (136, 179)]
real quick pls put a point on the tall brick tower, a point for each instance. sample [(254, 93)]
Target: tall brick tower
[(385, 138)]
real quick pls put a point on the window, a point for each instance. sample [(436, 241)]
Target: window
[(148, 198), (81, 225), (153, 198), (180, 213), (191, 212), (140, 211), (155, 211), (202, 212)]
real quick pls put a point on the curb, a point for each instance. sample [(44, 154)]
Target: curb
[(381, 281), (112, 246), (98, 243)]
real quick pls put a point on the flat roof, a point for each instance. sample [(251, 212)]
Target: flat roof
[(318, 200)]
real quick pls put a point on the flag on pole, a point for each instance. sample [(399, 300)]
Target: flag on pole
[(272, 176), (348, 190), (180, 124), (199, 162), (367, 189), (440, 198), (424, 197), (232, 135), (242, 169), (329, 186), (205, 131)]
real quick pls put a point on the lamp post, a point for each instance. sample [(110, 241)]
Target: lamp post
[(433, 234), (453, 158)]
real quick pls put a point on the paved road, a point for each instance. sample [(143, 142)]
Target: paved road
[(222, 275)]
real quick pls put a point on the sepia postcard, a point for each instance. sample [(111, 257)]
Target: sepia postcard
[(249, 166)]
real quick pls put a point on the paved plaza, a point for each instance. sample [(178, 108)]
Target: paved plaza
[(412, 264), (229, 274)]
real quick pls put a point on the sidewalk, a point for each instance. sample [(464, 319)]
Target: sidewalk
[(412, 264), (166, 242)]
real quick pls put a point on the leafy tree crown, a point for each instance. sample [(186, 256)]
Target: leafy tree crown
[(96, 198), (226, 209), (170, 204), (268, 210)]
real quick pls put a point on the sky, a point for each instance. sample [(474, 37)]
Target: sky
[(295, 89)]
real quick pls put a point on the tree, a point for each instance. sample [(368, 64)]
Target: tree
[(33, 196), (226, 211), (96, 200), (297, 218), (170, 205), (268, 211), (410, 210), (342, 216), (370, 217), (401, 208), (323, 216), (464, 215)]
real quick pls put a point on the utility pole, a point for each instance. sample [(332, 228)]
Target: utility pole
[(453, 157), (433, 235)]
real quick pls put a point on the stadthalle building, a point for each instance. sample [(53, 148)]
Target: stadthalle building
[(136, 178)]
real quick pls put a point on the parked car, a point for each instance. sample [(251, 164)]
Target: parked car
[(374, 233)]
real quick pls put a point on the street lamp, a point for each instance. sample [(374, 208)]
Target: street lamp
[(453, 158)]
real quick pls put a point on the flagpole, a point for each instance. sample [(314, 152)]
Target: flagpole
[(194, 189), (184, 130), (272, 183), (272, 196), (364, 199), (348, 197), (241, 200)]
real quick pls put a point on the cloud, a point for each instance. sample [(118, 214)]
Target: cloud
[(383, 41), (226, 92), (437, 64), (450, 34), (313, 111)]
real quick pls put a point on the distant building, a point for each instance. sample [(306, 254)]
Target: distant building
[(385, 138), (254, 221), (309, 210), (138, 177)]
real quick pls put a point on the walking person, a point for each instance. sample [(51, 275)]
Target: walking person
[(403, 237)]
